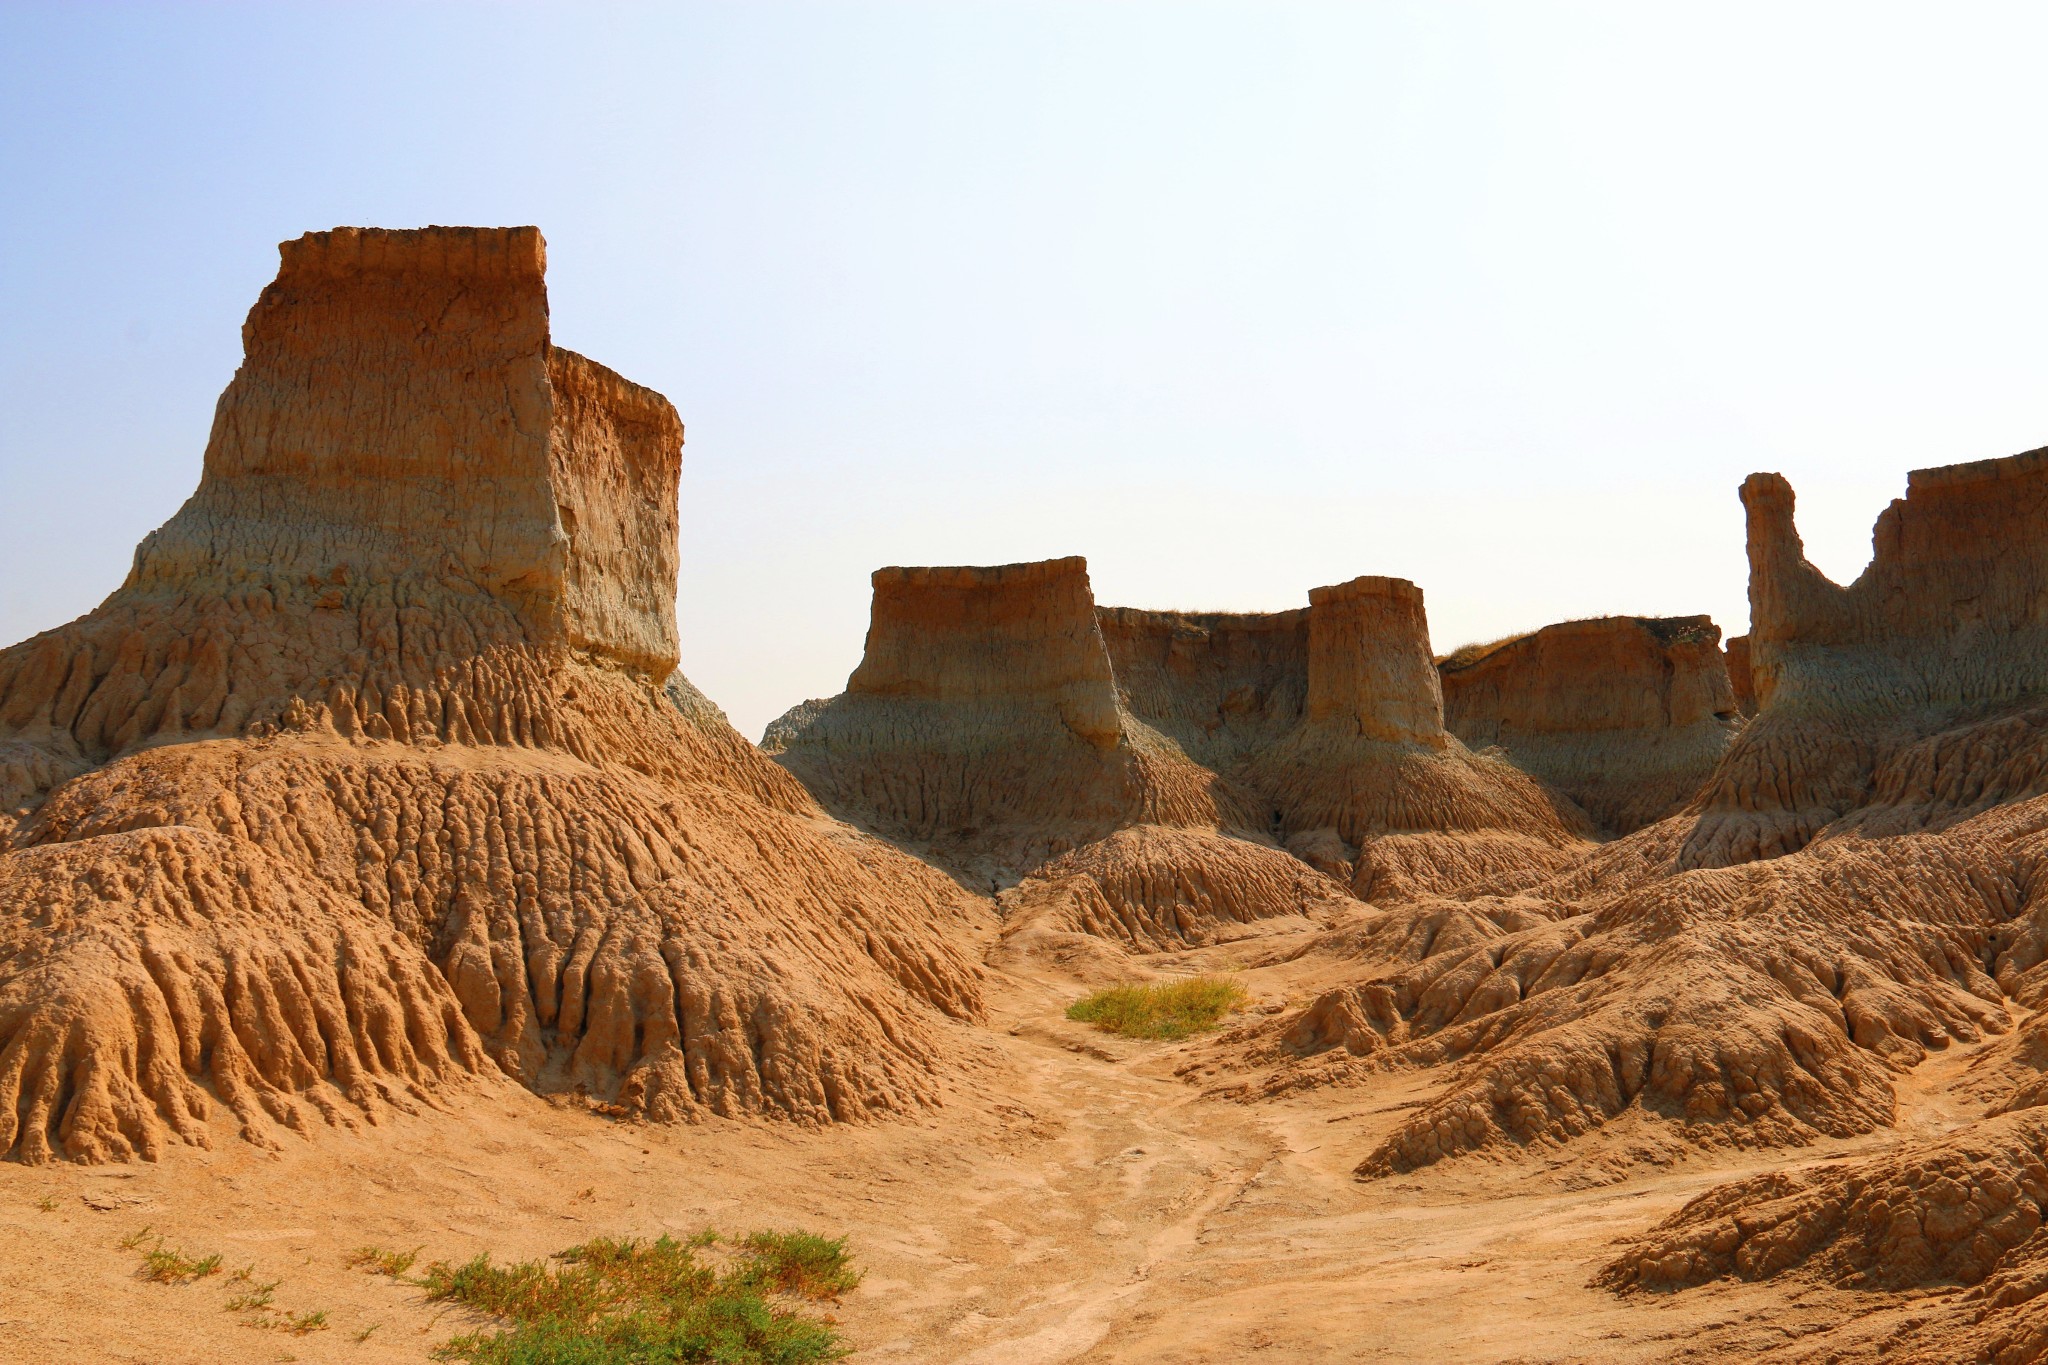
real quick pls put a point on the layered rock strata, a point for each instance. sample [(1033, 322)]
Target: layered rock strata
[(1222, 685), (1370, 775), (983, 724), (998, 719), (1627, 715), (374, 772), (1945, 625), (1737, 657), (1676, 989)]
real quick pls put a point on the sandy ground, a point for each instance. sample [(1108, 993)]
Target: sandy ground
[(1075, 1202)]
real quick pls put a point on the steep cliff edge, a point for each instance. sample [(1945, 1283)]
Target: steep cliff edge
[(366, 779), (1626, 715), (983, 724), (1860, 884), (1369, 774), (1945, 627), (1222, 685)]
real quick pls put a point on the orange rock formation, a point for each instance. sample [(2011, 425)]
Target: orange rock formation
[(1943, 625), (1737, 656), (983, 724), (367, 777), (1627, 715), (1333, 717), (1855, 889)]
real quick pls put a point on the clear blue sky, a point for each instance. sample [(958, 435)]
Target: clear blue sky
[(1233, 299)]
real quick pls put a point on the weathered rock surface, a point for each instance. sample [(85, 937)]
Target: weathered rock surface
[(1153, 889), (1647, 999), (1626, 715), (983, 725), (999, 720), (1222, 685), (1962, 1210), (1737, 656), (1370, 762), (1944, 626), (367, 776)]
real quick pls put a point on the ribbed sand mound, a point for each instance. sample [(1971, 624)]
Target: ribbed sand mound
[(393, 693)]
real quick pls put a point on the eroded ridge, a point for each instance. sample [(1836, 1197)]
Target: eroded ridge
[(1627, 715), (405, 661), (1651, 999), (1943, 627)]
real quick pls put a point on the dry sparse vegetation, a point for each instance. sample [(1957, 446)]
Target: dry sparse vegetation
[(1166, 1009), (378, 1261), (167, 1265), (613, 1301)]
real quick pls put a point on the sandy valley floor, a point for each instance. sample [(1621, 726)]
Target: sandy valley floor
[(1075, 1202)]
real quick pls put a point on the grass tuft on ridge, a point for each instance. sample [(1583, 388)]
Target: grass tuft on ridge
[(1165, 1009)]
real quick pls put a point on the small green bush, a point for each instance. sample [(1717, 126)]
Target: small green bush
[(1166, 1009)]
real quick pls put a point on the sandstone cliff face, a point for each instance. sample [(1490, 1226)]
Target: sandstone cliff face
[(1221, 684), (1626, 715), (1860, 883), (998, 719), (1370, 783), (1737, 657), (367, 779), (1945, 624), (983, 723)]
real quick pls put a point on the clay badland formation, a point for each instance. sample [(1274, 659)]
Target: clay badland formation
[(367, 869), (1627, 715), (374, 775)]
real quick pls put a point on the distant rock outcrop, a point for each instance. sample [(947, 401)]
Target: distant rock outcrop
[(998, 720), (983, 725), (366, 778), (1627, 715), (1858, 884), (1344, 743), (1222, 685), (1855, 685)]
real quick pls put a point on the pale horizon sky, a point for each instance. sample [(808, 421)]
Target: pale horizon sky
[(1235, 300)]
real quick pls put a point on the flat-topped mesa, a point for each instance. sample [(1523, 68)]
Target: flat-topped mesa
[(1221, 684), (1369, 663), (1950, 618), (983, 720), (426, 545), (1014, 635), (1368, 782), (400, 414), (1627, 715), (404, 481), (1224, 684)]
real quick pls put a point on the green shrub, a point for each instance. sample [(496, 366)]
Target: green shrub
[(1166, 1009)]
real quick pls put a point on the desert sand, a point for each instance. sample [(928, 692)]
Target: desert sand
[(370, 876)]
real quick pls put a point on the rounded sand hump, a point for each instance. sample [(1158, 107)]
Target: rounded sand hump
[(373, 777)]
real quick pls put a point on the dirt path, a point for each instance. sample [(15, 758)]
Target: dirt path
[(1076, 1203)]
